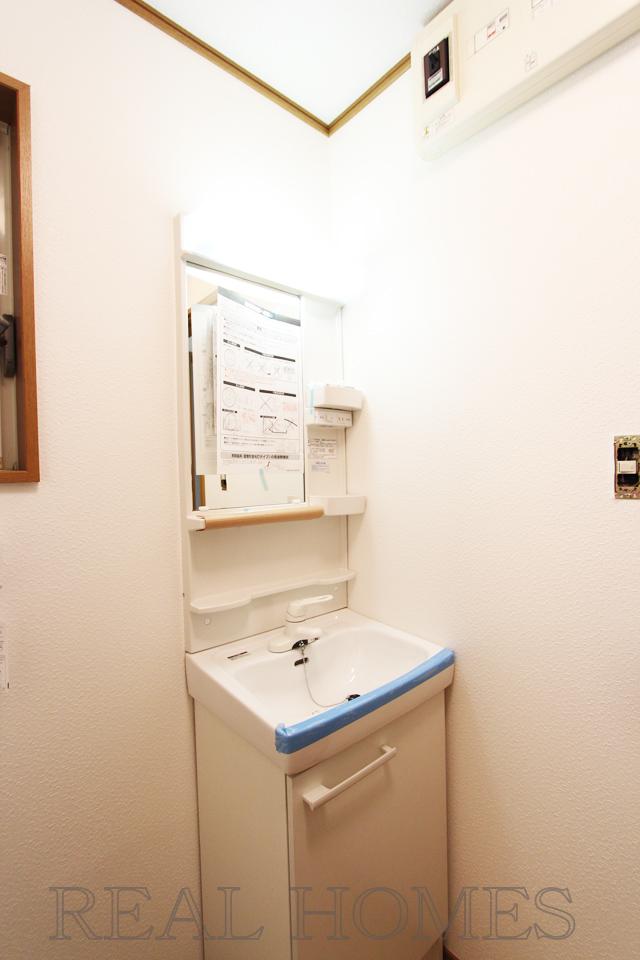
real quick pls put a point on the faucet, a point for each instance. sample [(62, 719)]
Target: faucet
[(294, 635)]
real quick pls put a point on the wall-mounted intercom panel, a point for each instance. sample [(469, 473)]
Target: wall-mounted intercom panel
[(480, 59), (627, 467)]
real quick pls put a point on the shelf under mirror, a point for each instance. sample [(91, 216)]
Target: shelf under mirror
[(217, 519)]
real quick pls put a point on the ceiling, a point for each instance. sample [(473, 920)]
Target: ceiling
[(323, 55)]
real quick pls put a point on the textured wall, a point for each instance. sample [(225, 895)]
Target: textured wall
[(97, 781), (498, 351), (493, 326)]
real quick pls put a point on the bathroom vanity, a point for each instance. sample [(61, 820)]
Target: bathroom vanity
[(320, 739), (330, 827)]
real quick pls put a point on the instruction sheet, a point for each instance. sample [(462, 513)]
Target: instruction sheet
[(203, 325), (259, 388), (322, 450)]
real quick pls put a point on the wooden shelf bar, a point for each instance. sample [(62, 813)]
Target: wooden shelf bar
[(219, 519)]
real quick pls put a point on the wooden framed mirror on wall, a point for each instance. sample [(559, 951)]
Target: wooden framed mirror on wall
[(19, 459)]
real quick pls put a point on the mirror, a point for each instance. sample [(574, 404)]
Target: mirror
[(246, 391)]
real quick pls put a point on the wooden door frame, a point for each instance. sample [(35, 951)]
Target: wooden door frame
[(15, 99)]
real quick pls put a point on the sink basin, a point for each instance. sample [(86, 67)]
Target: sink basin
[(359, 676)]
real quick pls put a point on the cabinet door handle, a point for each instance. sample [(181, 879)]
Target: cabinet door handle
[(318, 796)]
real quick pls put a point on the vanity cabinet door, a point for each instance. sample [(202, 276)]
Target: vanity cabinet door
[(381, 841)]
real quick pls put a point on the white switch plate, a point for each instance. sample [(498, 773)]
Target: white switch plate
[(330, 418)]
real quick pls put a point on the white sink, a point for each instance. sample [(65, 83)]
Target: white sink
[(264, 696)]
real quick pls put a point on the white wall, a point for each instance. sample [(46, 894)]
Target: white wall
[(494, 329), (129, 129)]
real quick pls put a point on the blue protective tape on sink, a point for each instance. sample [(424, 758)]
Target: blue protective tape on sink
[(299, 735)]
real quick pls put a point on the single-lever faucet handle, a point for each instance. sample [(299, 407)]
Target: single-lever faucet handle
[(297, 612), (297, 609)]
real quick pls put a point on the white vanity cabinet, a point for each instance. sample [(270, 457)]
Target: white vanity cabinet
[(373, 856)]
